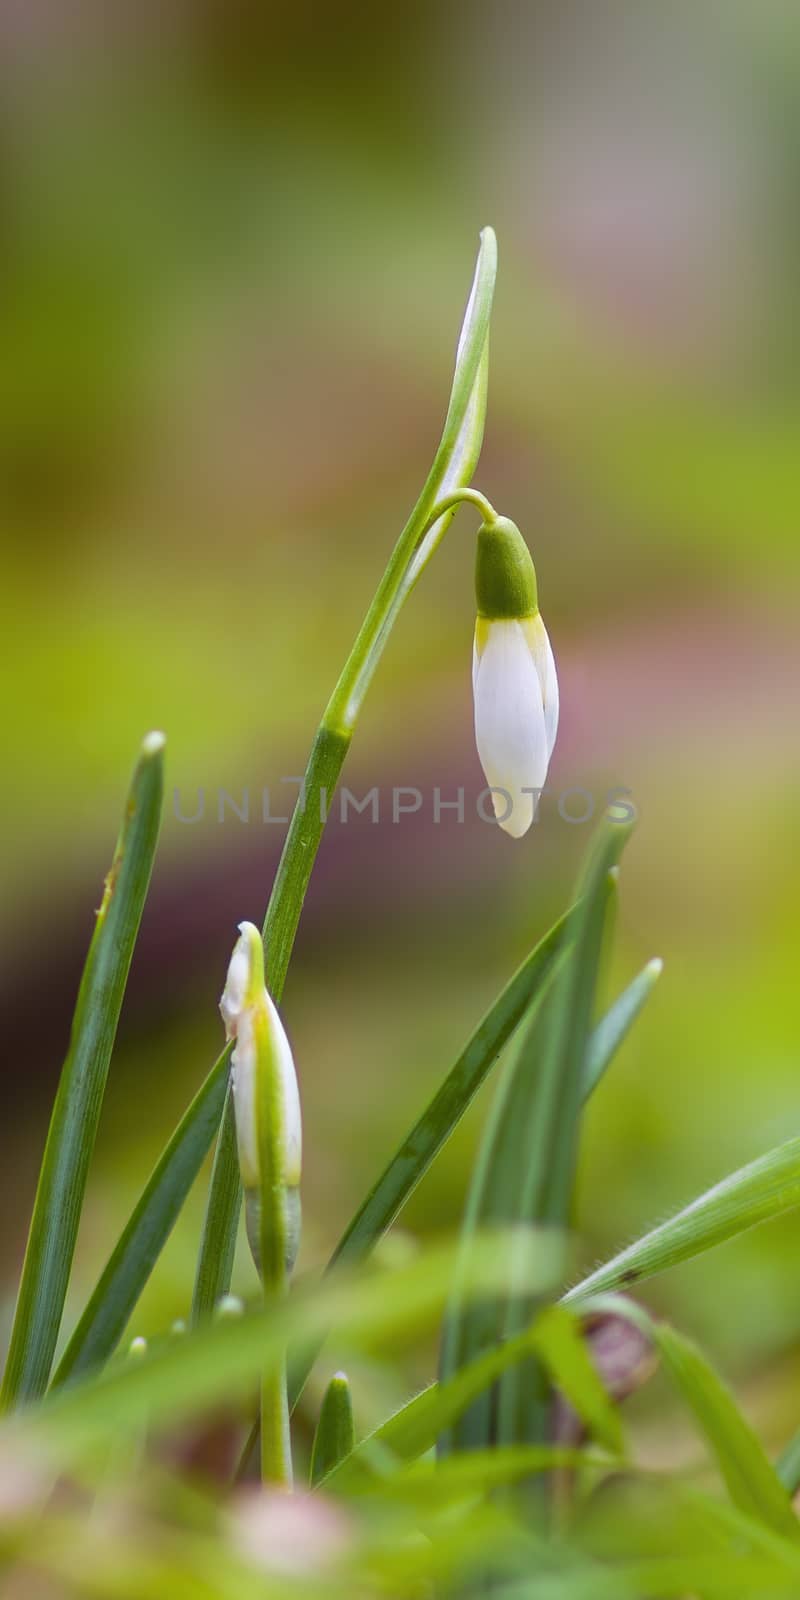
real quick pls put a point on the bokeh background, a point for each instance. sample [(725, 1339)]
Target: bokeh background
[(236, 242)]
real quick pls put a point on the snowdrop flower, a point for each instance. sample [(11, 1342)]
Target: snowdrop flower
[(514, 681), (264, 1092)]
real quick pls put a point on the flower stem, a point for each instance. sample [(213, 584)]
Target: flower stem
[(469, 497), (276, 1449), (453, 465), (332, 742), (306, 828), (276, 1444)]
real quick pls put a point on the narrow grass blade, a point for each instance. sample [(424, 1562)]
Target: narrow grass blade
[(751, 1480), (220, 1224), (437, 1484), (548, 1169), (220, 1360), (612, 1029), (545, 1172), (76, 1113), (129, 1266), (469, 1332), (524, 1169), (414, 1429), (757, 1192), (444, 1112), (334, 1438), (722, 1518)]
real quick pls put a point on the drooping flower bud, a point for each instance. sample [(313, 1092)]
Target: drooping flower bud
[(265, 1095), (514, 681)]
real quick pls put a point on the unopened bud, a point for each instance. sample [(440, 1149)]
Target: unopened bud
[(263, 1075), (514, 682)]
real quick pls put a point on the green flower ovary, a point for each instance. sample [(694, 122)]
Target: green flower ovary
[(505, 577)]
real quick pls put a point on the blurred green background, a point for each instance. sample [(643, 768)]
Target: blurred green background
[(236, 243)]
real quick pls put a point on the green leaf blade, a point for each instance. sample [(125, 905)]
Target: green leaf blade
[(414, 1429), (753, 1484), (751, 1480), (525, 1166), (442, 1115), (76, 1113), (755, 1193), (218, 1361), (549, 1176), (221, 1220), (614, 1027), (132, 1260), (334, 1438)]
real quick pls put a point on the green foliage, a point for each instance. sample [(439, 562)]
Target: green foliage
[(222, 1360), (441, 1116), (752, 1481), (453, 465), (413, 1430), (763, 1189), (535, 1490), (76, 1113), (335, 1435), (524, 1170), (218, 1239), (114, 1299), (563, 1351)]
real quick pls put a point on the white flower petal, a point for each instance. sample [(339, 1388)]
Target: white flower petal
[(291, 1093), (551, 702), (246, 999), (509, 723), (243, 1078), (236, 983), (541, 649)]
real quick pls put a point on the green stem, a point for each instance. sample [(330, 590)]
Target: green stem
[(453, 465), (468, 497), (306, 828), (276, 1444), (333, 738), (276, 1448), (215, 1261), (408, 561)]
